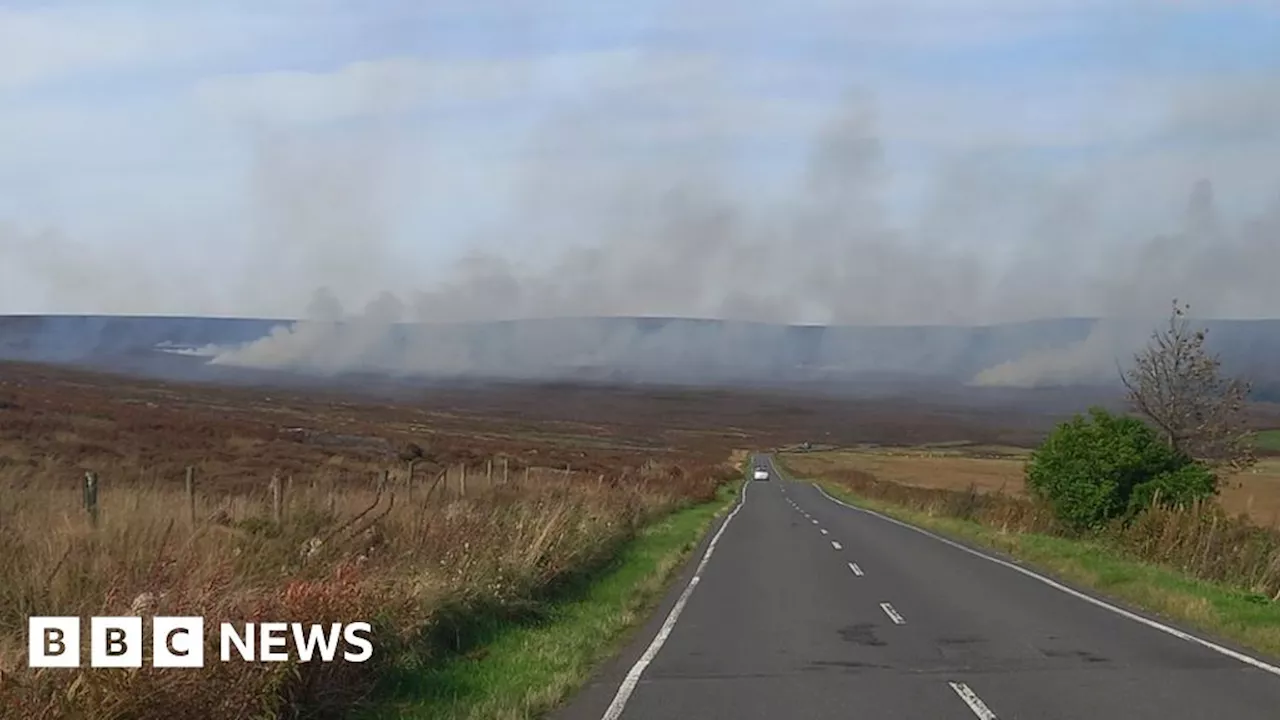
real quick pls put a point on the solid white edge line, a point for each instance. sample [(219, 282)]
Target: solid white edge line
[(628, 685), (1246, 659), (974, 702), (836, 545), (856, 570), (893, 614)]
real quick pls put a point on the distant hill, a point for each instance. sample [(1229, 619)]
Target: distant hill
[(616, 349)]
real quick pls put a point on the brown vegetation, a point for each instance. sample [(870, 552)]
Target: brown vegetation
[(1254, 492), (422, 556)]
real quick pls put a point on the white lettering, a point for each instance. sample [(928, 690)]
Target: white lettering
[(272, 636), (307, 644), (353, 638), (243, 644)]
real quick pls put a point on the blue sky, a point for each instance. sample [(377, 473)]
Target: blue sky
[(231, 157)]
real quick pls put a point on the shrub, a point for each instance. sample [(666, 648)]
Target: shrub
[(1183, 486), (1093, 469)]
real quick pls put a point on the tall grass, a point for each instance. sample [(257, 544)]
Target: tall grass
[(420, 566), (1201, 540)]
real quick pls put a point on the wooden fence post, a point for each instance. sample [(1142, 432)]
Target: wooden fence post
[(191, 495), (442, 477), (488, 473), (506, 467), (91, 496), (277, 499), (462, 480), (408, 480)]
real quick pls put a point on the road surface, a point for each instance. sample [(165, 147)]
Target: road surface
[(806, 608)]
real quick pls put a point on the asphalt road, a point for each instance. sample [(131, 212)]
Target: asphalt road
[(807, 608)]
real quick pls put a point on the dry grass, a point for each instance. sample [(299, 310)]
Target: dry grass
[(418, 563), (1206, 541), (1255, 494), (420, 559)]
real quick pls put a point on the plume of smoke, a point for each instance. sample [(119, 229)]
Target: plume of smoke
[(1205, 264), (679, 246), (657, 239)]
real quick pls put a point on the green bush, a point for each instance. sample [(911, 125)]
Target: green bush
[(1093, 469), (1183, 486)]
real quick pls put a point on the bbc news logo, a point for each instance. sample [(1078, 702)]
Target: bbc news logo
[(179, 642)]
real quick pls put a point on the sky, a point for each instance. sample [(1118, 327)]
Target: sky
[(789, 160)]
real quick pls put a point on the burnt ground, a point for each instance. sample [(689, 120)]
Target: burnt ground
[(57, 421)]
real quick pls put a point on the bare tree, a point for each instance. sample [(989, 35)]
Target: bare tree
[(1178, 385)]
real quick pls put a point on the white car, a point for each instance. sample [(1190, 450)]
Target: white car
[(761, 474)]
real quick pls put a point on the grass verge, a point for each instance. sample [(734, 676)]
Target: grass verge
[(1268, 440), (1249, 619), (524, 669)]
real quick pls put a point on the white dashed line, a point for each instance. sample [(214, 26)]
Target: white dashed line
[(974, 702), (823, 531), (836, 545), (1252, 661), (856, 570), (894, 615), (628, 685), (815, 521)]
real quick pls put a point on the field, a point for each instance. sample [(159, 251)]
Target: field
[(995, 468), (1269, 440), (431, 520)]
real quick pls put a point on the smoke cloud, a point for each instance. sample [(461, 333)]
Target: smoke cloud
[(999, 237), (675, 242)]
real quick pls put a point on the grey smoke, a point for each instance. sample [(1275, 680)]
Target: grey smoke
[(675, 243), (652, 237)]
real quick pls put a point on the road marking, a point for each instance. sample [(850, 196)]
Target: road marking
[(1246, 659), (974, 702), (823, 531), (856, 570), (894, 615), (628, 686), (836, 545)]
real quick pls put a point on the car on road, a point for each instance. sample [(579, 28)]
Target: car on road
[(762, 473)]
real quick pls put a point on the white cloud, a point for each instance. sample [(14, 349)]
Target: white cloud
[(72, 41), (43, 45), (378, 87)]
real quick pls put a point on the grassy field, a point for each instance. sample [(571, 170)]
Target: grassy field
[(528, 668), (1268, 440), (486, 529), (429, 573), (1255, 493), (1198, 566)]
